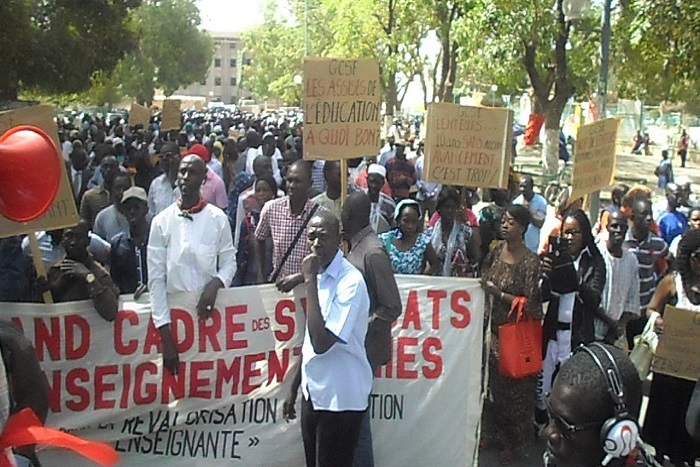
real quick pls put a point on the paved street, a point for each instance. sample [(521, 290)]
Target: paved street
[(629, 168)]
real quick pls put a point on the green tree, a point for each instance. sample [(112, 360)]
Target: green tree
[(658, 50), (277, 55), (172, 51), (537, 46), (54, 46)]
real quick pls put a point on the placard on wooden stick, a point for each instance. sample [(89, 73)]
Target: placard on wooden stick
[(171, 115), (594, 157), (468, 146), (63, 212), (139, 115), (678, 352), (342, 108)]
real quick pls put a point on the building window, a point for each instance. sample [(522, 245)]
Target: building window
[(217, 81), (217, 62), (233, 81), (247, 61), (203, 82), (233, 63), (232, 45)]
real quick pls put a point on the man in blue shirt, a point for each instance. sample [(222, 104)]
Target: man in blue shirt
[(672, 222), (336, 377), (537, 206)]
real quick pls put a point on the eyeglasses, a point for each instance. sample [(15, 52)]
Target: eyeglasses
[(566, 429)]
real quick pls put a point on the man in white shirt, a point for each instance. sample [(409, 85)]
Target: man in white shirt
[(269, 148), (187, 241), (336, 377), (256, 147), (330, 199), (537, 206), (620, 297), (163, 191)]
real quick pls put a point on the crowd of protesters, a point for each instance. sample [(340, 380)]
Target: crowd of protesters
[(228, 200)]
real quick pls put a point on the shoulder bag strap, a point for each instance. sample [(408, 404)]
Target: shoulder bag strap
[(277, 270)]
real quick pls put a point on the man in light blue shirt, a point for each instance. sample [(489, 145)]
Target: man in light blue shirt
[(537, 206), (336, 377)]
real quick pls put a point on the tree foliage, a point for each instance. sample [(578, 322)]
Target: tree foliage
[(277, 51), (55, 46), (658, 50), (172, 51)]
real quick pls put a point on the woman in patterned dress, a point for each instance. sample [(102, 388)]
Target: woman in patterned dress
[(408, 247), (510, 271), (456, 243)]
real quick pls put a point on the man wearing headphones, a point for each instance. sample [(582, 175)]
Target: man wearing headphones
[(593, 410)]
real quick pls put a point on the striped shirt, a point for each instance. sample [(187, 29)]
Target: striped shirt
[(94, 200), (621, 291), (648, 252)]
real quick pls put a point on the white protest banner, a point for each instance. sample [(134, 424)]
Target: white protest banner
[(342, 108), (225, 406), (594, 157), (468, 146), (63, 212), (678, 352)]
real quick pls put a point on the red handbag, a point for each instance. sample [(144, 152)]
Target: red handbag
[(520, 344)]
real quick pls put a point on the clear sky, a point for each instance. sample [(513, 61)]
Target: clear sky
[(230, 15)]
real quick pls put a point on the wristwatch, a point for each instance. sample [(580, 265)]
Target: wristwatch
[(90, 278)]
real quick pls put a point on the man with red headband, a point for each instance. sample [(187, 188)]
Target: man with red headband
[(189, 250)]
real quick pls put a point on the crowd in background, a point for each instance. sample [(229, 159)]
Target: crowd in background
[(591, 281)]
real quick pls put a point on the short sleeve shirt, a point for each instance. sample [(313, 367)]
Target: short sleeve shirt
[(538, 208)]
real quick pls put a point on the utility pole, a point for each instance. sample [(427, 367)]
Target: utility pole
[(606, 33)]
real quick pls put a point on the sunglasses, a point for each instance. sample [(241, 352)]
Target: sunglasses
[(566, 429)]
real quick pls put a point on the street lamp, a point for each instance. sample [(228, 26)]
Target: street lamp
[(494, 88), (579, 7)]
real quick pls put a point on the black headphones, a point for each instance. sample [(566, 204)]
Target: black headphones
[(619, 434)]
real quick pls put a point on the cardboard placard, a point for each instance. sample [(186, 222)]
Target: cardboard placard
[(678, 352), (139, 115), (594, 157), (468, 146), (171, 115), (342, 108), (63, 212)]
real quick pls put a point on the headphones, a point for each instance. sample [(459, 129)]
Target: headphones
[(619, 434)]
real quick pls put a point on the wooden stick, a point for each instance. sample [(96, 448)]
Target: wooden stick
[(343, 181), (39, 263)]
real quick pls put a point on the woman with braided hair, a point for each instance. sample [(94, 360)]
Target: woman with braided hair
[(664, 425)]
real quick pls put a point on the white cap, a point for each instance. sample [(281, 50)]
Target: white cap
[(376, 169)]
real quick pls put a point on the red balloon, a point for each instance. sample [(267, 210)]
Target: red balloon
[(30, 173)]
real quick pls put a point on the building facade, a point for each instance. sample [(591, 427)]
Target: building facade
[(222, 83)]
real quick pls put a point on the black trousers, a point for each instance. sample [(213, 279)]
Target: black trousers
[(329, 438)]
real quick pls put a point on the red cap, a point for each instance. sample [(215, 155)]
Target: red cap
[(199, 150)]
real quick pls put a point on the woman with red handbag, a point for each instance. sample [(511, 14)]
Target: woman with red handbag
[(510, 276)]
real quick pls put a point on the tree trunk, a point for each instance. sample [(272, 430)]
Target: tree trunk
[(550, 149), (392, 95), (8, 90)]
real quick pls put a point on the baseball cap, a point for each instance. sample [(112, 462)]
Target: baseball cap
[(135, 192)]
